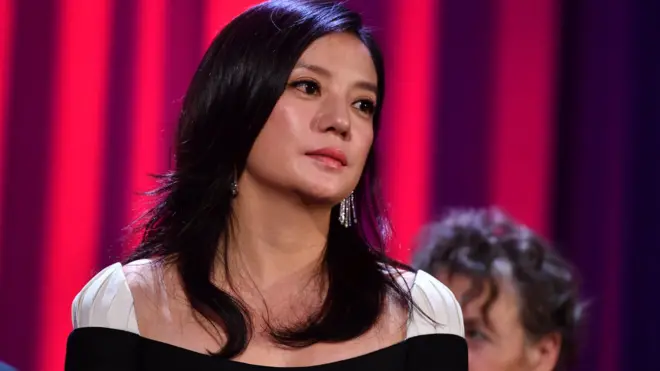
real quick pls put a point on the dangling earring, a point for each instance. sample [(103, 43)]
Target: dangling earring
[(234, 185), (347, 215), (234, 188)]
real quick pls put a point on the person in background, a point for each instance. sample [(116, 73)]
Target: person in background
[(520, 299)]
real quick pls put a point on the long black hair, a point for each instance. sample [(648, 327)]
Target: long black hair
[(241, 77)]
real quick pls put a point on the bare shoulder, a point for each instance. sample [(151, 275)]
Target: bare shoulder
[(162, 309), (153, 285), (142, 277)]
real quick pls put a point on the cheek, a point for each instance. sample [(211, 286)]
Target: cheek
[(287, 117), (485, 357), (494, 357), (364, 140), (283, 132)]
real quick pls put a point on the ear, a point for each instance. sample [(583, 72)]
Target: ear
[(543, 354)]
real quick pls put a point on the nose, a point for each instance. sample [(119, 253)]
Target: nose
[(334, 119)]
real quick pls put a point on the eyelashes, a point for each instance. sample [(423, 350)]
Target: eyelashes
[(312, 88), (365, 105), (308, 87)]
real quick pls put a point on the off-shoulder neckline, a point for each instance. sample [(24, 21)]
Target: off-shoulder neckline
[(167, 347)]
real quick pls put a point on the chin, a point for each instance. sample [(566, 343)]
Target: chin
[(321, 194)]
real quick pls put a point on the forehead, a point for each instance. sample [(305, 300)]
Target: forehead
[(503, 312), (343, 54)]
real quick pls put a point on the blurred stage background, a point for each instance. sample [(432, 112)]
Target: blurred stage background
[(550, 109)]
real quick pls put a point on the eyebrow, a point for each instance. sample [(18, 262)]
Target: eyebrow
[(471, 321), (322, 71)]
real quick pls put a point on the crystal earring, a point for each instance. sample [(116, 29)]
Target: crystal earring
[(347, 215), (234, 185)]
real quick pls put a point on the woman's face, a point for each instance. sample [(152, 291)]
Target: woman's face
[(316, 141)]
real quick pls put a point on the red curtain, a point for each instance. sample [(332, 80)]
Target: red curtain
[(488, 102)]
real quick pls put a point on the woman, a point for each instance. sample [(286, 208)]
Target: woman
[(266, 248)]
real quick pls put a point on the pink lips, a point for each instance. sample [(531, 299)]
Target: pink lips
[(331, 157)]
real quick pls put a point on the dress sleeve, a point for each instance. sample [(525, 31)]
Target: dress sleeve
[(440, 311), (105, 301)]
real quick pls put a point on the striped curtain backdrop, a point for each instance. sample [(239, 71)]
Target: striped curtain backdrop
[(547, 108)]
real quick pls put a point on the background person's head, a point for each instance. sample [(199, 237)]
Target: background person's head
[(519, 297)]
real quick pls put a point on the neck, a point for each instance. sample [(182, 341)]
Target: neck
[(276, 238)]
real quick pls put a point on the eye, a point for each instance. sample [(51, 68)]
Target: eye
[(475, 335), (365, 106), (308, 87)]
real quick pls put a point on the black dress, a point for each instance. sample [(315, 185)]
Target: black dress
[(101, 349), (106, 334)]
